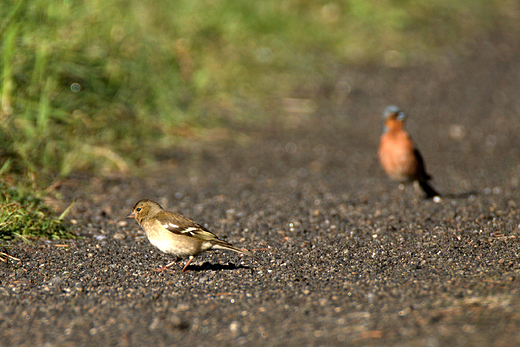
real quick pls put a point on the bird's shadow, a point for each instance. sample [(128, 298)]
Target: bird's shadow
[(207, 266), (464, 195)]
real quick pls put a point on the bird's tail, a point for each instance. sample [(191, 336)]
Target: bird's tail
[(428, 189), (226, 246)]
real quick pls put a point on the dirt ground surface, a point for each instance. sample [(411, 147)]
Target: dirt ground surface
[(343, 256)]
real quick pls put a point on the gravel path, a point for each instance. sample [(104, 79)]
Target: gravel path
[(343, 256)]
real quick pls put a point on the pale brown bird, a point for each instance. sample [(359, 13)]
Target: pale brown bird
[(175, 234)]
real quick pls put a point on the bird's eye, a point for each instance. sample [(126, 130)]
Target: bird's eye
[(138, 209)]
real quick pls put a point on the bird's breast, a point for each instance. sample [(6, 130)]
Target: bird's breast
[(396, 154), (174, 244)]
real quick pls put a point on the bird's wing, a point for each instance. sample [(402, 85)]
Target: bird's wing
[(183, 226), (421, 167)]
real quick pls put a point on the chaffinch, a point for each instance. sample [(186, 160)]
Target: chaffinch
[(399, 157), (175, 234)]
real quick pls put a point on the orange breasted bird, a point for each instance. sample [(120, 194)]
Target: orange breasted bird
[(398, 155)]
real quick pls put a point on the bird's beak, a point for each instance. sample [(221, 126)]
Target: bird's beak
[(131, 216)]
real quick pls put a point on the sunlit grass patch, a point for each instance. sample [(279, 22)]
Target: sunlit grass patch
[(24, 216)]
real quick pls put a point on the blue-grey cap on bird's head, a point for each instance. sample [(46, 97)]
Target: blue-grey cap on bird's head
[(391, 110)]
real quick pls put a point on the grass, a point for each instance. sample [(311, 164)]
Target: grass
[(24, 215), (93, 84)]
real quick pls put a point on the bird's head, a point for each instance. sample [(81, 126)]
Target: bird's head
[(393, 117), (144, 208)]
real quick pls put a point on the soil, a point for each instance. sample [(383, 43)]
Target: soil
[(343, 256)]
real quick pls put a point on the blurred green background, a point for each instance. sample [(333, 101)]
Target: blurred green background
[(103, 84)]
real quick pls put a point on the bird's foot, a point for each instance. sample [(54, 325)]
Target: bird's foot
[(165, 267), (161, 269)]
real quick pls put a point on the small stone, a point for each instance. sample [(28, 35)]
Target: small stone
[(234, 326), (119, 236)]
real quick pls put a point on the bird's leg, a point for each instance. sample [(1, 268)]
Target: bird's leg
[(165, 266), (417, 188), (188, 263)]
